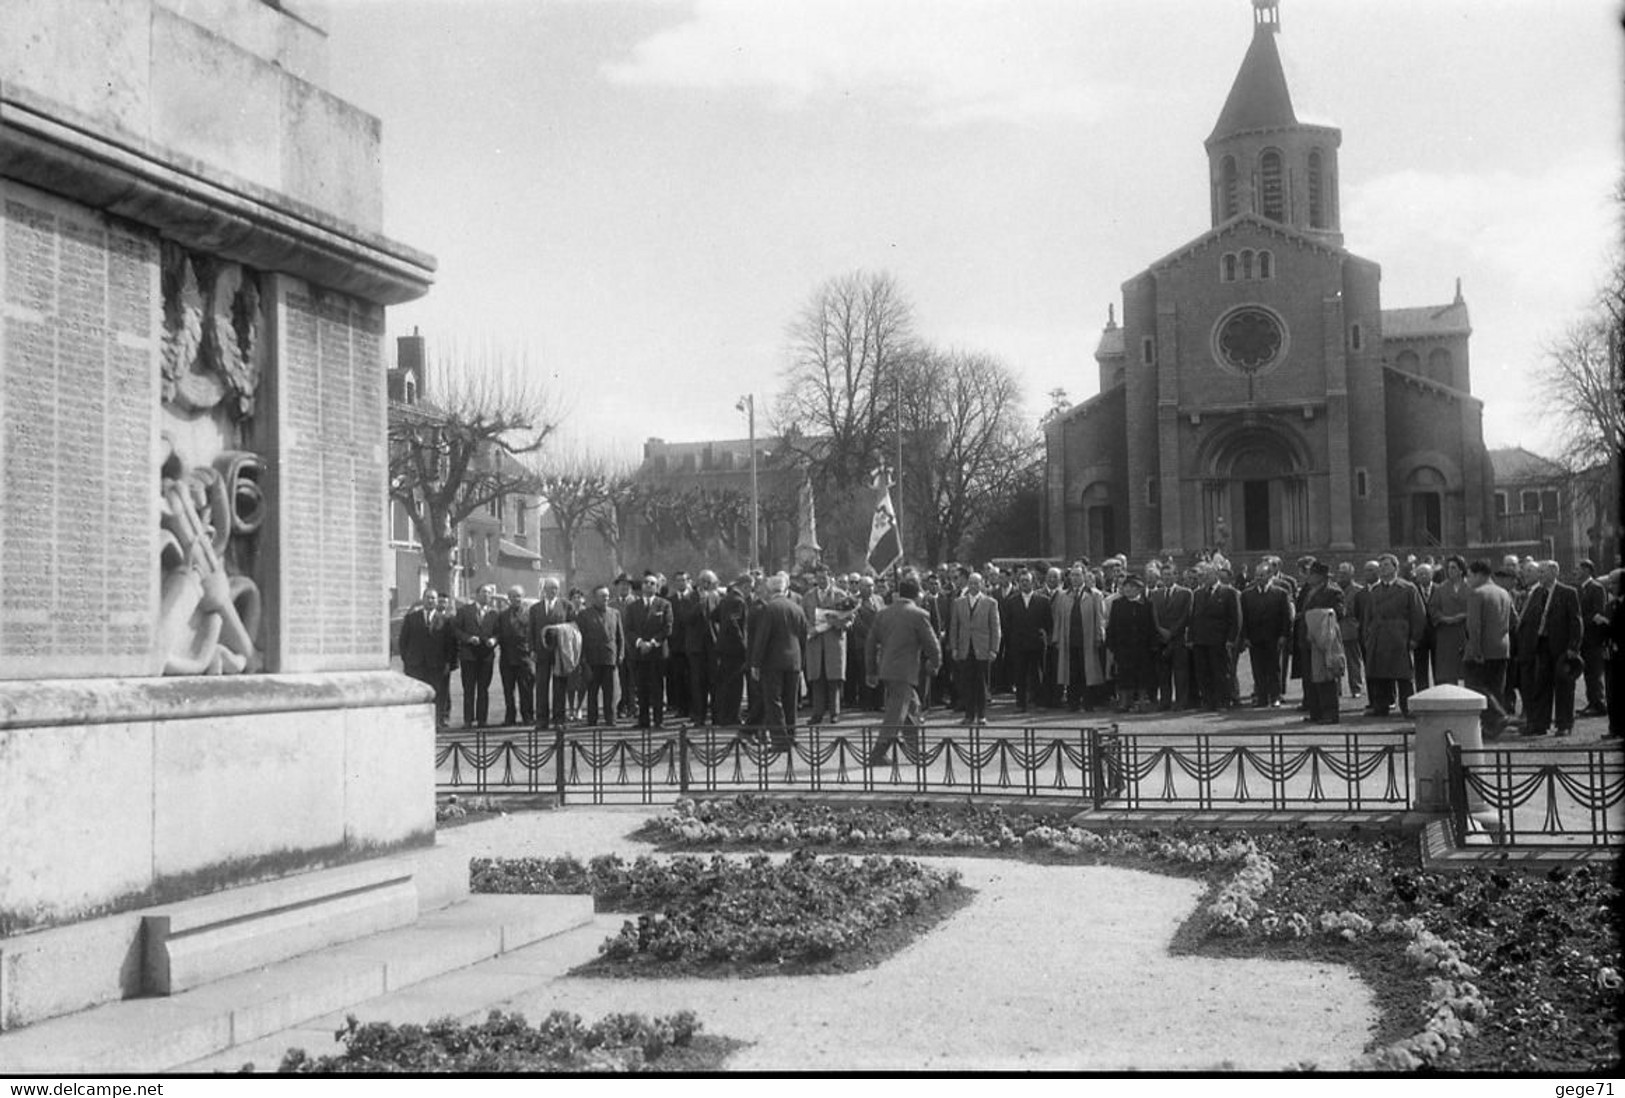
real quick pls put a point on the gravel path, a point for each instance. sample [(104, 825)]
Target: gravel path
[(1048, 968)]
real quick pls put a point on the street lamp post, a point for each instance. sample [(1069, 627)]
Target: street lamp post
[(747, 404)]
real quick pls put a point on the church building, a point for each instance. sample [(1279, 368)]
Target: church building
[(1257, 396)]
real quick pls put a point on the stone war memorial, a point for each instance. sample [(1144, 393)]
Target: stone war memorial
[(195, 693)]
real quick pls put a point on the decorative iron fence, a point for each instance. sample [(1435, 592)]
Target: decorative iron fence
[(1104, 767), (1545, 796)]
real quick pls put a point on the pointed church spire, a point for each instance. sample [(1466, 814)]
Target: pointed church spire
[(1259, 98), (1458, 290)]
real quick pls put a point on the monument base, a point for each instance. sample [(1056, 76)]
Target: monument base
[(123, 794)]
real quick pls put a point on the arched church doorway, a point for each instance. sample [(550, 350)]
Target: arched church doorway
[(1256, 483)]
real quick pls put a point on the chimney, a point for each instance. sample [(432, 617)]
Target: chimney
[(409, 357)]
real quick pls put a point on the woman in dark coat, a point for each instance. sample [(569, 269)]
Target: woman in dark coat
[(1131, 634)]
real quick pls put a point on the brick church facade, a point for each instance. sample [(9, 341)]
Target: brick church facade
[(1257, 396)]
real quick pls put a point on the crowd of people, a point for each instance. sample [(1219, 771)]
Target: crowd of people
[(1089, 637)]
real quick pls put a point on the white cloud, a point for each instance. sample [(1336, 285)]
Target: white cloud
[(1541, 239), (946, 61)]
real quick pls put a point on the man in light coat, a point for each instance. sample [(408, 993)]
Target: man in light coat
[(974, 636), (900, 642), (829, 612), (1078, 633)]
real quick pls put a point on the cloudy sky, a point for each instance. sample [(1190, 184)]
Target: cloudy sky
[(636, 197)]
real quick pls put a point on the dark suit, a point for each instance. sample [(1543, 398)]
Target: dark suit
[(476, 632), (732, 644), (1026, 636), (517, 663), (1422, 658), (1171, 607), (1215, 624), (692, 619), (424, 636), (552, 689), (1593, 642), (648, 628), (1266, 623), (1547, 635), (775, 655), (603, 647)]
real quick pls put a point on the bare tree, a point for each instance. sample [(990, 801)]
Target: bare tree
[(846, 347), (461, 447), (966, 443), (1578, 392)]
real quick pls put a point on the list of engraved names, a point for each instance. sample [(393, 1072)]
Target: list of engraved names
[(332, 480), (78, 393)]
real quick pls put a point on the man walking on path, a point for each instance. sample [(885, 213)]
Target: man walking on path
[(901, 640)]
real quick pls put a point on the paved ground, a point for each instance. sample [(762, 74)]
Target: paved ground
[(1047, 969)]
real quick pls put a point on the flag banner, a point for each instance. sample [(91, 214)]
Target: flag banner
[(885, 549)]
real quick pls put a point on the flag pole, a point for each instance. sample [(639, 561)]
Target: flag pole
[(898, 405)]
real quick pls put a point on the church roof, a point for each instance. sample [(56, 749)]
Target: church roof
[(1111, 343), (1426, 321), (1259, 98), (1514, 464), (1250, 220)]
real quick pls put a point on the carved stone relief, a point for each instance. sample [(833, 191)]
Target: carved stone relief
[(213, 500)]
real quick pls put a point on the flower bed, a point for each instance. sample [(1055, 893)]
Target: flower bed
[(507, 1044), (1482, 970), (733, 917)]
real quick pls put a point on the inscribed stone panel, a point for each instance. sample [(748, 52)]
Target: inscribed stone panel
[(79, 320), (331, 473)]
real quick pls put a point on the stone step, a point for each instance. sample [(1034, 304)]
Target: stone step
[(196, 942), (160, 1033), (466, 995)]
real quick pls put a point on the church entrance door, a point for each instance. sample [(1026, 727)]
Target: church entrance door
[(1255, 514)]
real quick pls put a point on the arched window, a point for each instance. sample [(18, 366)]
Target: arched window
[(1407, 361), (1441, 367), (1317, 203), (1229, 267), (1247, 265), (1229, 203), (411, 389), (1274, 187), (1266, 265)]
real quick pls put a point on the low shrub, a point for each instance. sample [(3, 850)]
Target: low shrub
[(743, 916), (507, 1044)]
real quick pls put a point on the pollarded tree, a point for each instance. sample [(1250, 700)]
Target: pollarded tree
[(462, 446), (575, 489), (846, 349)]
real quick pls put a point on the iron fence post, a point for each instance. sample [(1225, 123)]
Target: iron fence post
[(1457, 781), (682, 760)]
